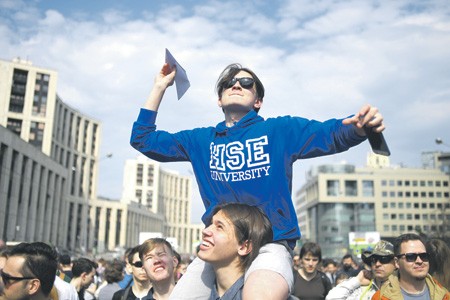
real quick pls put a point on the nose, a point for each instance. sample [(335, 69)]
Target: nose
[(207, 231)]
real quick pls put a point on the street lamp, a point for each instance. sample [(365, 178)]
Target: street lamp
[(439, 141)]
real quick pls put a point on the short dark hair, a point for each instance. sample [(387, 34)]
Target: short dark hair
[(83, 265), (65, 259), (132, 252), (348, 255), (41, 261), (313, 248), (405, 238), (113, 271), (230, 71), (250, 224)]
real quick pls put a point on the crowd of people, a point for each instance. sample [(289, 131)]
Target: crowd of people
[(410, 267)]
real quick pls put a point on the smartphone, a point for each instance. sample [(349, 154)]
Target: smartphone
[(377, 142)]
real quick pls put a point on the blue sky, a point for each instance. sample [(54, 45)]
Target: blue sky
[(317, 59)]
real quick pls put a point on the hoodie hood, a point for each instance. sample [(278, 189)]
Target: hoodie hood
[(250, 118)]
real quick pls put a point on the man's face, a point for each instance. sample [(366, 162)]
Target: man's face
[(347, 263), (219, 245), (238, 98), (138, 272), (416, 270), (309, 263), (87, 278), (159, 264), (331, 268), (14, 289), (380, 270)]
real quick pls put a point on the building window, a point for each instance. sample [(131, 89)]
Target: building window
[(400, 194), (333, 187), (429, 183), (18, 88), (392, 194), (40, 95), (400, 205), (384, 194), (424, 217), (393, 204), (383, 182), (37, 134), (401, 216), (407, 183), (393, 216), (368, 190), (399, 182), (14, 125), (351, 188), (394, 227), (139, 174), (408, 216), (437, 183), (416, 217), (402, 228), (431, 194), (408, 194), (414, 183), (391, 182), (385, 205), (385, 216), (386, 227)]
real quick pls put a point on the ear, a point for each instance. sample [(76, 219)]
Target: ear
[(245, 248), (258, 103), (34, 286), (175, 262), (219, 102), (396, 262)]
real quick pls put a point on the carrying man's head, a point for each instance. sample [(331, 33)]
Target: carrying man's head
[(236, 233)]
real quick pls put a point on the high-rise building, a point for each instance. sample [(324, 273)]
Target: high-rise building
[(31, 108), (339, 199), (163, 192)]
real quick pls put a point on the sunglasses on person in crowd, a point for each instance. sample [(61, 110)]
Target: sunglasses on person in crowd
[(137, 264), (245, 82), (412, 257), (8, 278), (382, 259)]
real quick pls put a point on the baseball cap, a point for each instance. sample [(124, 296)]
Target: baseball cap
[(382, 248)]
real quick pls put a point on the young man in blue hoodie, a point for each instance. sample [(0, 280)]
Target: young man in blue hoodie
[(247, 157)]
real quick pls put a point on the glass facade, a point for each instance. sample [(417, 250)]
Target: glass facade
[(332, 222)]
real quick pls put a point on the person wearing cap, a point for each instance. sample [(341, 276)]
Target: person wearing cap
[(367, 283), (413, 280)]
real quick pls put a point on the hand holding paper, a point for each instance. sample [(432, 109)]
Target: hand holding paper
[(181, 81)]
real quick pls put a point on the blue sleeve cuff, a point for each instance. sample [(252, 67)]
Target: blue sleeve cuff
[(147, 116)]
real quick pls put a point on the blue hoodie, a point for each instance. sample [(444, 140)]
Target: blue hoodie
[(250, 162)]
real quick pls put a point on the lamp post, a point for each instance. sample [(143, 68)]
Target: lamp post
[(439, 141)]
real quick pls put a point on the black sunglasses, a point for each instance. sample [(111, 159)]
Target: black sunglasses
[(245, 82), (137, 264), (382, 259), (8, 278), (412, 257)]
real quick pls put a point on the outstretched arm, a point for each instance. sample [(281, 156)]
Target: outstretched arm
[(369, 116), (163, 80)]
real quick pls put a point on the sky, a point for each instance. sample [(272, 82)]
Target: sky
[(317, 59)]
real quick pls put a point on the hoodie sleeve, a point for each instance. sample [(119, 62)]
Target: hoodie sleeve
[(159, 145)]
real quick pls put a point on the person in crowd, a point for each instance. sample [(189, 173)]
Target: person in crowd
[(65, 290), (330, 269), (180, 270), (296, 262), (29, 272), (159, 263), (309, 282), (349, 266), (247, 156), (83, 271), (65, 266), (3, 257), (413, 280), (141, 283), (231, 243), (128, 277), (340, 277), (113, 275), (366, 283), (439, 261)]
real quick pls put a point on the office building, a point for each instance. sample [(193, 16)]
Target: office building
[(163, 192), (339, 199)]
